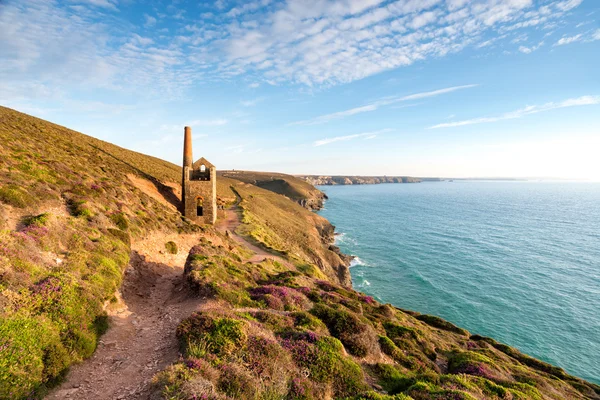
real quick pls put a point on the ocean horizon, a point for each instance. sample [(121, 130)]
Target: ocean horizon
[(518, 261)]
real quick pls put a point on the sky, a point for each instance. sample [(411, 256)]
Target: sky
[(428, 88)]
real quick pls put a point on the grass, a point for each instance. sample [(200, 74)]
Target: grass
[(75, 205), (275, 330)]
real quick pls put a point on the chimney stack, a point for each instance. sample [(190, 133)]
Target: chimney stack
[(187, 147)]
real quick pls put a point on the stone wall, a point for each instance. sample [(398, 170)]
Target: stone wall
[(206, 189)]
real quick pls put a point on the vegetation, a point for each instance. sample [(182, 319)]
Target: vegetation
[(289, 328), (293, 188), (62, 258)]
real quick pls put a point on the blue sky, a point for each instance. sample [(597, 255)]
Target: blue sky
[(452, 88)]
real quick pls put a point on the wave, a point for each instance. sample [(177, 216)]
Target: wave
[(356, 261)]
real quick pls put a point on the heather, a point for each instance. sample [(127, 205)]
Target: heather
[(290, 326), (297, 336), (68, 214)]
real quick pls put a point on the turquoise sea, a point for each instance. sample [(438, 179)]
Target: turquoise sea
[(517, 261)]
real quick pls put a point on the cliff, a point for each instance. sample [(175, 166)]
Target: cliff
[(356, 180), (289, 186), (256, 307)]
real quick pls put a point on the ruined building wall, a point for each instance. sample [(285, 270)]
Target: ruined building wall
[(198, 189), (207, 190)]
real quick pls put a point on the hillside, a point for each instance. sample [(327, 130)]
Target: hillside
[(257, 307), (296, 189)]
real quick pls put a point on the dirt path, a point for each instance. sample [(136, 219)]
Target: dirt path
[(231, 223), (141, 340)]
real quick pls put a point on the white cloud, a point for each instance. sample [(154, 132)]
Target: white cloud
[(108, 4), (306, 42), (529, 50), (569, 40), (568, 4), (365, 135), (377, 104), (575, 102)]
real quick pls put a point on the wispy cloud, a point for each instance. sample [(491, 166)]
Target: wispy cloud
[(251, 102), (377, 104), (365, 135), (569, 40), (576, 102), (529, 50), (111, 5), (150, 21)]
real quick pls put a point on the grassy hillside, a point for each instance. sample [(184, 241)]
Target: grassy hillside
[(291, 187), (68, 211), (281, 332), (284, 328)]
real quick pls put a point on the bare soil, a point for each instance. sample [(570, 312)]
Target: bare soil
[(141, 339)]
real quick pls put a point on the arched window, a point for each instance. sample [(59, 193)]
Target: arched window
[(203, 168), (199, 205)]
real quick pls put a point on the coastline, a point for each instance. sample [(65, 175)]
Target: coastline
[(424, 289)]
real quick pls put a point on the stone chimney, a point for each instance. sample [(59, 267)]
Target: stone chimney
[(187, 147), (187, 162)]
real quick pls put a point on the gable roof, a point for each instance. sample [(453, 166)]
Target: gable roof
[(203, 161)]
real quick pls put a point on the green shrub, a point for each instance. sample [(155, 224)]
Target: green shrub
[(392, 380), (358, 336), (171, 247), (15, 196), (25, 343), (438, 322), (36, 220), (238, 383), (120, 219), (78, 208), (303, 319), (201, 333)]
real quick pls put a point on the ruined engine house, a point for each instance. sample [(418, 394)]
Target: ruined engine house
[(198, 186)]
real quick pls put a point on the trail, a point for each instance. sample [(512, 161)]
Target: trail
[(141, 339), (231, 223)]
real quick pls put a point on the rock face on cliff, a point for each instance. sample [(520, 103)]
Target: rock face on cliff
[(356, 180)]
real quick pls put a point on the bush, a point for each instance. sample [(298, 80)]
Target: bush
[(281, 298), (323, 359), (120, 219), (78, 208), (171, 247), (471, 363), (25, 345), (390, 348), (13, 195), (36, 220), (358, 337), (238, 383), (201, 333), (438, 322)]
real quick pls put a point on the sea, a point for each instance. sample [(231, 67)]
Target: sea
[(513, 260)]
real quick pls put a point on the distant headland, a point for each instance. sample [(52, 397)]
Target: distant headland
[(361, 180)]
